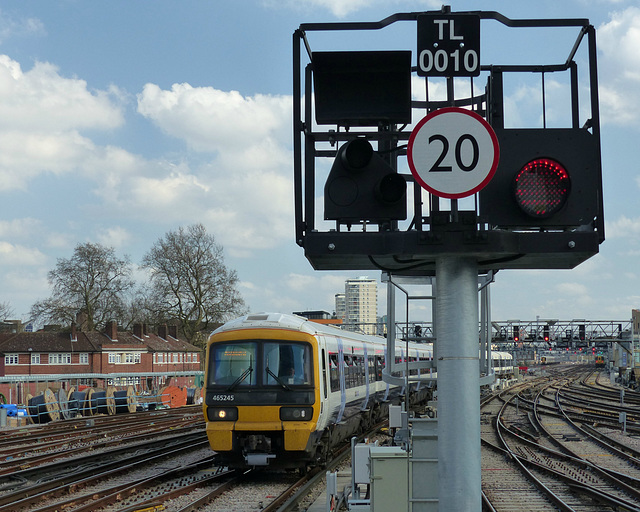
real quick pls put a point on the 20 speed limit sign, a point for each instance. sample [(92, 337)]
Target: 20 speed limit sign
[(453, 152)]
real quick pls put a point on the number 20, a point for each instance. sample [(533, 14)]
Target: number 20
[(437, 167)]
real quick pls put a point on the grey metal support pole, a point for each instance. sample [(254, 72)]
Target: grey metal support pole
[(391, 323), (458, 385), (484, 333), (487, 298)]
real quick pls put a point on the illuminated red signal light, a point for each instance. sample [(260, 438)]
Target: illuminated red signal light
[(542, 187)]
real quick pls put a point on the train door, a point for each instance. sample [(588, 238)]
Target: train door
[(323, 371), (365, 362)]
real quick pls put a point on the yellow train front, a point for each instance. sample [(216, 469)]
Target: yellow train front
[(281, 391), (261, 395)]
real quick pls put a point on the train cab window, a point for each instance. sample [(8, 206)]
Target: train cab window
[(287, 363), (233, 364)]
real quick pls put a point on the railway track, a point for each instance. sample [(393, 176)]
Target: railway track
[(550, 443), (160, 461), (536, 441)]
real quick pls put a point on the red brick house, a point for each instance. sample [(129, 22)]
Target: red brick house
[(32, 361)]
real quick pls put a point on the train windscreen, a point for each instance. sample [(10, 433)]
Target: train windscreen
[(233, 364), (287, 363), (260, 363)]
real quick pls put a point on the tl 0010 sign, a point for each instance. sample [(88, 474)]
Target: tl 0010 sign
[(458, 62), (448, 45)]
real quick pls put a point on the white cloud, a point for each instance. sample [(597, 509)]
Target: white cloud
[(41, 99), (42, 115), (11, 254), (244, 193), (116, 236), (208, 119), (11, 27), (20, 228), (572, 289), (342, 8), (25, 155), (622, 227), (619, 73)]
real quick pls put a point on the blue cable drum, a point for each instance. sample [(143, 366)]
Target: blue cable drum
[(125, 401), (43, 408), (77, 401)]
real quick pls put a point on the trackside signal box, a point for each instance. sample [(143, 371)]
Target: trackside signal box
[(482, 178)]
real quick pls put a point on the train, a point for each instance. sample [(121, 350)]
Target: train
[(282, 391), (550, 359), (599, 361), (502, 363)]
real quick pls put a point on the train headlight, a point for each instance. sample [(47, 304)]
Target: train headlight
[(222, 413), (296, 413)]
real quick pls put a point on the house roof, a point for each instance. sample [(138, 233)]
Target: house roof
[(47, 341)]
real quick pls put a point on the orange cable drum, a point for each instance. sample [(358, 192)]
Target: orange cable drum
[(173, 396)]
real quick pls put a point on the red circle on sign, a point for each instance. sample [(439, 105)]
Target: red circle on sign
[(449, 129)]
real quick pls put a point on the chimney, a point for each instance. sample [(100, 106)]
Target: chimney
[(162, 331), (137, 330), (81, 320), (74, 332), (173, 331), (145, 329), (112, 330)]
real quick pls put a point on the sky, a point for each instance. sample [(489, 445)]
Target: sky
[(121, 121)]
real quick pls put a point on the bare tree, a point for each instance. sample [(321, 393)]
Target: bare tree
[(190, 281), (6, 311), (93, 281)]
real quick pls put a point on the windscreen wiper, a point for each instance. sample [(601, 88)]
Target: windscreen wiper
[(244, 375), (278, 379)]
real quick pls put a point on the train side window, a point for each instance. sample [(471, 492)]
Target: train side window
[(361, 370), (334, 375), (348, 372)]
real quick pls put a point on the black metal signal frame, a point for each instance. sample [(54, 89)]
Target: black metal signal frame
[(496, 231)]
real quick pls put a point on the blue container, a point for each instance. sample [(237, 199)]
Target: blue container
[(12, 409)]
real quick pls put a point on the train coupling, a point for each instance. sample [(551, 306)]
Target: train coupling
[(258, 459)]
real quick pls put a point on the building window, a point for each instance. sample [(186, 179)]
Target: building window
[(137, 358), (35, 358), (11, 359), (60, 358), (112, 359), (175, 358), (128, 358), (83, 358), (160, 358)]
